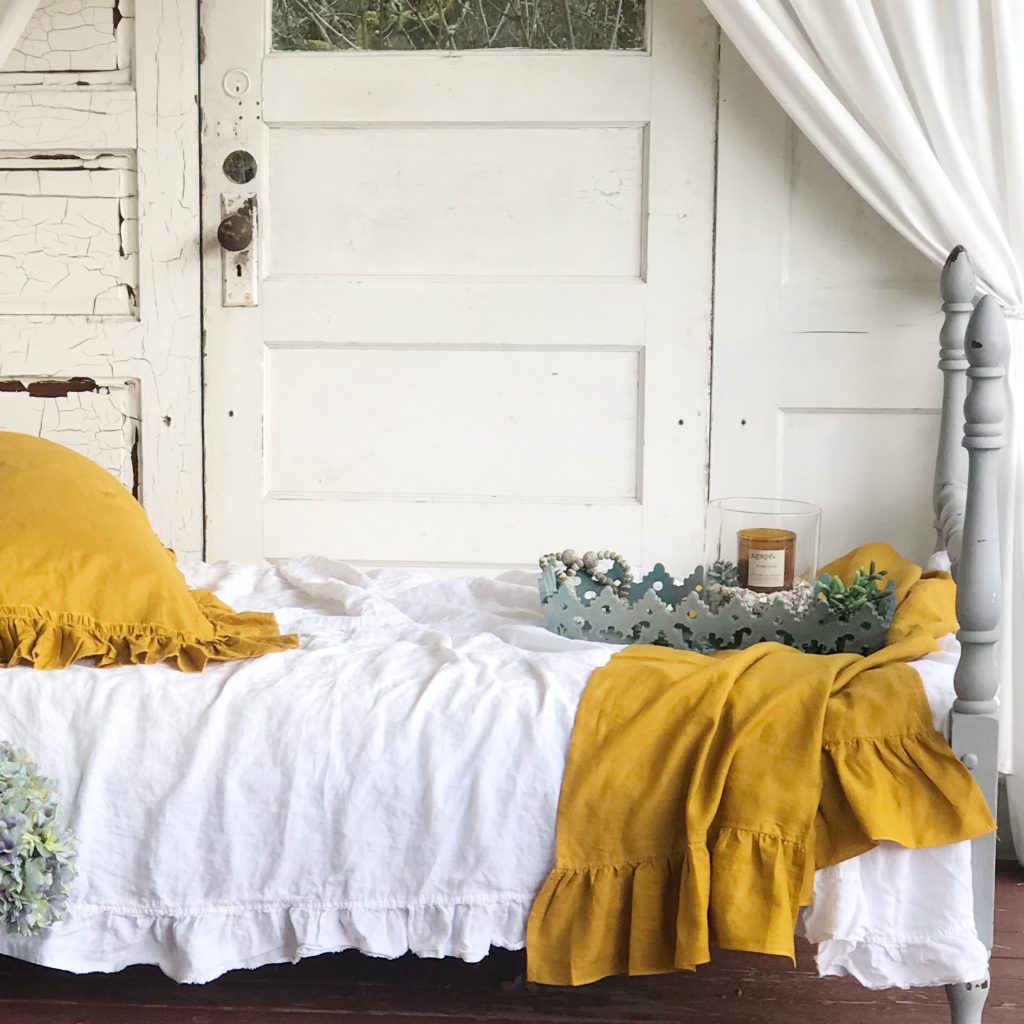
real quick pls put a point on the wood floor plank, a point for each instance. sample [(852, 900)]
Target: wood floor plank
[(106, 1013)]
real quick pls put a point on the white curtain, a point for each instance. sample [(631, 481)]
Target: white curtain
[(919, 104), (14, 18)]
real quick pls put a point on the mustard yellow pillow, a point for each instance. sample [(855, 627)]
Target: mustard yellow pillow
[(83, 575)]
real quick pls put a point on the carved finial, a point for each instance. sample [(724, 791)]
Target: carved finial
[(958, 282), (979, 584), (958, 287), (987, 342)]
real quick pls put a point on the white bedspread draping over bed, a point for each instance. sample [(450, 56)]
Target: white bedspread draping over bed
[(389, 786)]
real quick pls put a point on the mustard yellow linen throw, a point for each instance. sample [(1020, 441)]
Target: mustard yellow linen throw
[(701, 792)]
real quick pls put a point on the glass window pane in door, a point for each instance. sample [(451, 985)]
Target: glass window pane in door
[(458, 24)]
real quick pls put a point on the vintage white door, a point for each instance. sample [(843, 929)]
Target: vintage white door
[(480, 279), (826, 336), (99, 255)]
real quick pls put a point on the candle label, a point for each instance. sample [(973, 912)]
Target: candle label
[(766, 569)]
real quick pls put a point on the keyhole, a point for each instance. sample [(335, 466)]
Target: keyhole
[(238, 269)]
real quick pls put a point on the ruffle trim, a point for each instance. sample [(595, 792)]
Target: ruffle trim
[(200, 947), (910, 789), (47, 640), (661, 914), (197, 948), (946, 959)]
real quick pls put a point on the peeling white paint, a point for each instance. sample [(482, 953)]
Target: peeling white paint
[(99, 245), (71, 119), (102, 424), (67, 35), (69, 239), (14, 18)]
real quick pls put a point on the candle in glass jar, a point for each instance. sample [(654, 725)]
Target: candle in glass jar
[(766, 558)]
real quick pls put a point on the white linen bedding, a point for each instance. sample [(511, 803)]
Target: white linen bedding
[(389, 786)]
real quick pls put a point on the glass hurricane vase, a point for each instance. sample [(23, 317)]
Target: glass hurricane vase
[(762, 544)]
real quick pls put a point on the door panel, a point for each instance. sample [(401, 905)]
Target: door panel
[(574, 312), (408, 408), (98, 418), (99, 261), (826, 337), (484, 295), (72, 233), (71, 36), (382, 200), (488, 88)]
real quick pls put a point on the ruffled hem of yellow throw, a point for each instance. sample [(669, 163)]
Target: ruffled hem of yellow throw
[(47, 640), (865, 786), (742, 888), (661, 914)]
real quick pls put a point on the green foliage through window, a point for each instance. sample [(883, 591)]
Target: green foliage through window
[(458, 24)]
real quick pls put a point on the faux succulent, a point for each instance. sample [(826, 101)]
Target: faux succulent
[(36, 855), (846, 600), (723, 573)]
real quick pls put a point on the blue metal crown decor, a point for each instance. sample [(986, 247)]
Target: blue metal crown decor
[(582, 602)]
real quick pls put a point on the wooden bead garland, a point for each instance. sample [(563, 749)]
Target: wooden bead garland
[(567, 564)]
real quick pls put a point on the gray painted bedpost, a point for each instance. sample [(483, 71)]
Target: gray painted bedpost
[(974, 727), (958, 286)]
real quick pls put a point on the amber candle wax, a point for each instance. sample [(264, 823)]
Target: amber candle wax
[(766, 558)]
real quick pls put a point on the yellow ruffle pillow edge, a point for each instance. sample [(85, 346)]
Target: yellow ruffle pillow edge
[(82, 575)]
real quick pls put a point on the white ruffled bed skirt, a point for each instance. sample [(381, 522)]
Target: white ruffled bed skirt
[(199, 947)]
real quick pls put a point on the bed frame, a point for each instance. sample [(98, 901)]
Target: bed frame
[(974, 349)]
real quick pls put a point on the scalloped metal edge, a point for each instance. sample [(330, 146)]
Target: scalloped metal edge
[(661, 610)]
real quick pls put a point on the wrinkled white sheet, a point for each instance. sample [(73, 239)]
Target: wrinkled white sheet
[(389, 786)]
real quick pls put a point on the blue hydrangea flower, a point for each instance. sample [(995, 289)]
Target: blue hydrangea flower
[(36, 855)]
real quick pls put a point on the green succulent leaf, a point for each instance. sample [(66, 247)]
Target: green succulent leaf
[(863, 590)]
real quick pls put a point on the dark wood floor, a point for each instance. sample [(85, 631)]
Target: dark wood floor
[(351, 989)]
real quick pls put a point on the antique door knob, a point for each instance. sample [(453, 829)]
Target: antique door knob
[(235, 232)]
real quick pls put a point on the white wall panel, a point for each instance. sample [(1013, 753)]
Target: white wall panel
[(872, 468), (825, 384)]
